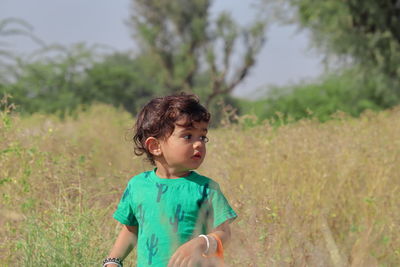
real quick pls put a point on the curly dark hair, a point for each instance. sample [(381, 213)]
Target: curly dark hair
[(157, 119)]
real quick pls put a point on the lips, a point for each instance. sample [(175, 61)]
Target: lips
[(197, 155)]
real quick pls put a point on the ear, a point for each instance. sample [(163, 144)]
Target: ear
[(153, 146)]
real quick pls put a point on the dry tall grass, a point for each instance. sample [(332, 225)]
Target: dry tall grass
[(308, 194)]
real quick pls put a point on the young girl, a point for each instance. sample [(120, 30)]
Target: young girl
[(174, 215)]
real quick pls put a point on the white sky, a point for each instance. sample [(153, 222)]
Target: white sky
[(285, 58)]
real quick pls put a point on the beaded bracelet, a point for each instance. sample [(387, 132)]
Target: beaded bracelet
[(113, 260)]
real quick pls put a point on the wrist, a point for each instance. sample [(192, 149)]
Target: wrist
[(213, 245), (203, 243), (208, 244), (111, 262)]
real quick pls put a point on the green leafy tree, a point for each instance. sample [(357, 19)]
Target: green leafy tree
[(366, 31), (122, 80), (189, 46), (321, 99), (78, 76), (51, 83)]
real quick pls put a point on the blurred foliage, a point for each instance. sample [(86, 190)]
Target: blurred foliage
[(182, 49), (11, 27), (187, 43), (366, 31), (122, 80), (52, 83), (76, 77), (360, 39), (342, 92)]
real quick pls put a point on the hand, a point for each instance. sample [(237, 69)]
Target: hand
[(189, 254)]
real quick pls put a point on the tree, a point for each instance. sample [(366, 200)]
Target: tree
[(122, 80), (334, 92), (51, 83), (78, 76), (181, 37), (366, 31), (12, 27)]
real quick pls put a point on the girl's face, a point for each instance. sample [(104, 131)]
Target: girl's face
[(185, 148)]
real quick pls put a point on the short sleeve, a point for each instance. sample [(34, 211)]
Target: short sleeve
[(124, 213), (222, 210)]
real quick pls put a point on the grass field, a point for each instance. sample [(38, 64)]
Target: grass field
[(307, 194)]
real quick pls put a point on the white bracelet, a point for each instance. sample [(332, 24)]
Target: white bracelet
[(207, 241)]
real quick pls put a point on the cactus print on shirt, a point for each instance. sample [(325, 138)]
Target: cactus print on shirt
[(170, 212)]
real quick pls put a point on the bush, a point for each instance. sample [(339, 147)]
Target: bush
[(344, 92)]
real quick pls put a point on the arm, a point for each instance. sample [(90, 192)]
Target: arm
[(191, 252), (125, 242), (223, 231)]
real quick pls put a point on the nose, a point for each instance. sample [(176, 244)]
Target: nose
[(198, 143)]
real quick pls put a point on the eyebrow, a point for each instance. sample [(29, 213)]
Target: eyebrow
[(192, 128)]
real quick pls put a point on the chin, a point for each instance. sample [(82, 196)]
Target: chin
[(193, 167)]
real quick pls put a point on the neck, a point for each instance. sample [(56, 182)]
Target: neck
[(170, 173)]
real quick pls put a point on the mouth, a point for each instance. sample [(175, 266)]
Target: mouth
[(197, 156)]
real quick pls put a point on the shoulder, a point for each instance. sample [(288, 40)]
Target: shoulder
[(139, 178), (204, 180)]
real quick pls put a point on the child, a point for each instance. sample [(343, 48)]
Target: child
[(168, 211)]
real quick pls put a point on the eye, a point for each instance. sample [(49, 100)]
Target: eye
[(204, 139), (187, 137)]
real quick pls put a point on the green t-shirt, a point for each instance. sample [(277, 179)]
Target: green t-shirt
[(170, 212)]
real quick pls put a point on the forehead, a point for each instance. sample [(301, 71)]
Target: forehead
[(184, 124)]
